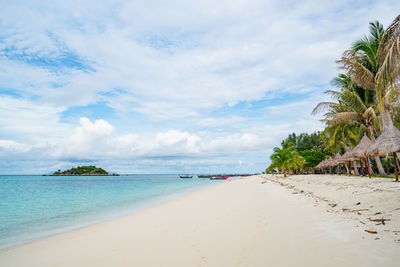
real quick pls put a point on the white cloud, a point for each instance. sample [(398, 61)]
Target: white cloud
[(99, 140), (179, 67), (238, 52), (12, 146), (35, 121)]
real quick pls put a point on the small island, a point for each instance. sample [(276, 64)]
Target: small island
[(84, 171)]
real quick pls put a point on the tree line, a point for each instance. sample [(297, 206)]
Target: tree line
[(364, 100)]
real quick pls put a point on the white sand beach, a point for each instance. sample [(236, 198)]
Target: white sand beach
[(253, 221)]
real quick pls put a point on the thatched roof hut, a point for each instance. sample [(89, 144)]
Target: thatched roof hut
[(319, 165), (346, 156), (328, 162), (336, 160), (322, 164), (325, 163), (360, 151), (388, 142)]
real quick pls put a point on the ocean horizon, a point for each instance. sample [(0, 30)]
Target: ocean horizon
[(35, 206)]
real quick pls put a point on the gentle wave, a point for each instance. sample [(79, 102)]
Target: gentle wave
[(36, 206)]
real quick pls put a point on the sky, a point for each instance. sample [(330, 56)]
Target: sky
[(167, 86)]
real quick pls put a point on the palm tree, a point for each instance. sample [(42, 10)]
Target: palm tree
[(373, 63), (364, 64), (388, 74), (296, 162), (286, 158), (353, 111)]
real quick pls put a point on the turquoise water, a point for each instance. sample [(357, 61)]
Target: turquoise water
[(35, 206)]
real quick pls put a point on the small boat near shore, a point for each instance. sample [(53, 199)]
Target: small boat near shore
[(204, 176), (219, 177), (186, 176)]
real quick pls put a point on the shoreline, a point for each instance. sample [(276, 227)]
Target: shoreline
[(106, 216), (243, 222)]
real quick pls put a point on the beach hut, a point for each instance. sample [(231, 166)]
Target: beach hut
[(336, 161), (318, 165), (347, 157), (322, 165), (329, 163), (360, 151), (388, 142)]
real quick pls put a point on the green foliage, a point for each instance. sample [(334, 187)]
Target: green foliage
[(364, 101), (366, 96), (286, 159), (312, 157), (297, 152), (305, 141)]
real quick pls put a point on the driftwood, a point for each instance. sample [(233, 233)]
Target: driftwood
[(371, 232), (349, 210), (381, 221)]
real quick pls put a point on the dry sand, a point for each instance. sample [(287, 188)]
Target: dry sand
[(246, 222), (372, 204)]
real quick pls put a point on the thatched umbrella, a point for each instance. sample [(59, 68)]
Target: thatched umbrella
[(388, 142), (319, 165), (336, 160), (328, 163), (360, 151), (323, 164), (346, 157)]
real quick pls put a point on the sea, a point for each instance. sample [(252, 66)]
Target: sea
[(34, 206)]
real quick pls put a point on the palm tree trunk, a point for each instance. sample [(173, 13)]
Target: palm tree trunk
[(380, 167), (385, 113), (377, 159), (395, 167), (355, 168)]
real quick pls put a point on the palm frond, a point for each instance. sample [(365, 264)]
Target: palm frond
[(323, 106), (389, 54), (352, 63), (342, 117)]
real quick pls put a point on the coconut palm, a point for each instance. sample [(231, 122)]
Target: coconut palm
[(286, 159), (373, 64), (363, 65), (353, 111), (388, 59), (296, 162)]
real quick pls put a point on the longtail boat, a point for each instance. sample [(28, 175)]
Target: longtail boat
[(219, 177), (185, 176), (204, 176)]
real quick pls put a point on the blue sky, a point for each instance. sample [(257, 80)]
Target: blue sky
[(166, 86)]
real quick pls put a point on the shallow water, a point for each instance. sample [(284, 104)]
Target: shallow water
[(35, 206)]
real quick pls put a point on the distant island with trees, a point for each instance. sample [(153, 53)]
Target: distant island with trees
[(83, 171)]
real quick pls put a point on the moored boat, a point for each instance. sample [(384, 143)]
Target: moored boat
[(204, 176), (219, 177), (185, 176)]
